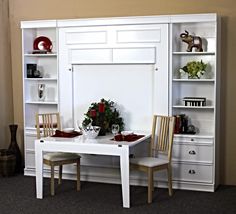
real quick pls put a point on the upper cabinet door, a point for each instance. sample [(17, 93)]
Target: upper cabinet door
[(114, 45), (138, 34)]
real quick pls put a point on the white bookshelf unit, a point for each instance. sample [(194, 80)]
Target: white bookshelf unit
[(48, 68), (148, 46), (195, 155)]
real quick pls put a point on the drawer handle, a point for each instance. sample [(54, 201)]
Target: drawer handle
[(192, 139), (192, 152), (192, 171)]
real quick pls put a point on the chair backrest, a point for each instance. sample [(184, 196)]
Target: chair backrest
[(47, 123), (162, 135)]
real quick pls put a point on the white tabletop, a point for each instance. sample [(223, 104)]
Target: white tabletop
[(103, 140)]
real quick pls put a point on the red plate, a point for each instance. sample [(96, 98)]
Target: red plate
[(43, 43)]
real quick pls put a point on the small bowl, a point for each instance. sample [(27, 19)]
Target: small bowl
[(68, 130), (91, 132), (126, 132)]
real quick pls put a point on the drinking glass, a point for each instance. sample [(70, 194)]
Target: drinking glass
[(115, 129)]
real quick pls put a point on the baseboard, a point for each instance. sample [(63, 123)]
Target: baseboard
[(108, 175)]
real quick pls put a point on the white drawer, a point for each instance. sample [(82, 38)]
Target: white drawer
[(134, 55), (29, 160), (193, 139), (29, 142), (198, 153), (193, 172), (92, 55)]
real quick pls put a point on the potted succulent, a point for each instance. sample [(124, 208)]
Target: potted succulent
[(193, 69)]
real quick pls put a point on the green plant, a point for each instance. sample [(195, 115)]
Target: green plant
[(194, 69), (110, 114)]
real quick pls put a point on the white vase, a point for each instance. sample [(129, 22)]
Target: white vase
[(41, 92)]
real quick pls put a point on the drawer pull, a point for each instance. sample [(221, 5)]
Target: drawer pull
[(192, 171), (192, 152), (192, 139)]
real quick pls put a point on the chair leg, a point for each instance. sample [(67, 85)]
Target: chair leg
[(78, 175), (60, 175), (52, 180), (169, 171), (150, 185)]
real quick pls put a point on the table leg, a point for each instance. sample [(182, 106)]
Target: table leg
[(124, 168), (39, 172)]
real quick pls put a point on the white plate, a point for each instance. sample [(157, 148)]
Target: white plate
[(127, 132), (68, 130)]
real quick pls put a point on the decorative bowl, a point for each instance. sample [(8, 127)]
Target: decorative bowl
[(68, 130), (127, 133), (91, 132)]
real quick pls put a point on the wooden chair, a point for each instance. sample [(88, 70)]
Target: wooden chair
[(160, 152), (46, 125)]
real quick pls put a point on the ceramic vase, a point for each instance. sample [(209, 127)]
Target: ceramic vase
[(41, 92), (14, 148)]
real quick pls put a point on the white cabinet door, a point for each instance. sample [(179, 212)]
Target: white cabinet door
[(90, 55), (132, 57), (65, 82)]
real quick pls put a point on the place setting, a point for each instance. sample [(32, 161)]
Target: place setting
[(128, 136)]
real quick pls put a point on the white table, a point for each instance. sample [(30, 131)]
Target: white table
[(99, 146)]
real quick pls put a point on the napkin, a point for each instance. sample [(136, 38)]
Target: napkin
[(59, 133), (129, 138)]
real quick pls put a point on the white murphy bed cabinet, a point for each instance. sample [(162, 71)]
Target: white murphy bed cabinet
[(133, 61)]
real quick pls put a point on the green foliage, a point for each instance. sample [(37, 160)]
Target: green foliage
[(111, 115), (194, 68)]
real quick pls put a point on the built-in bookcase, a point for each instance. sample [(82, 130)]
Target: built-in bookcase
[(193, 163), (47, 67), (148, 45)]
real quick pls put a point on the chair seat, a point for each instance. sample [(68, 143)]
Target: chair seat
[(148, 161), (60, 156)]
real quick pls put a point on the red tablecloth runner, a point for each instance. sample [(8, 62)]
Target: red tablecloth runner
[(59, 133), (129, 138)]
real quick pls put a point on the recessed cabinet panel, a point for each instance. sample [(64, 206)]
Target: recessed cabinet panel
[(132, 36), (83, 56), (90, 37), (134, 55)]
